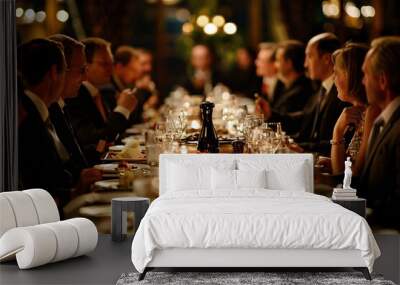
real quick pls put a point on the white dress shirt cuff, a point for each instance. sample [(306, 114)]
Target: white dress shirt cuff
[(122, 110)]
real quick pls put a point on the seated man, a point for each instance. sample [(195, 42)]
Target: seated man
[(290, 104), (324, 107), (271, 87), (147, 88), (44, 162), (74, 52), (93, 120), (380, 178), (242, 78), (203, 76), (130, 72)]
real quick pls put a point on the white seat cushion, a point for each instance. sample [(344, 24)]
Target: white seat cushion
[(7, 220), (40, 244), (23, 208), (45, 205)]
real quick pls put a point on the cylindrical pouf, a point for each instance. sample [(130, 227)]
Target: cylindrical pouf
[(67, 239), (23, 208), (87, 235), (45, 205), (7, 218), (34, 246), (120, 207)]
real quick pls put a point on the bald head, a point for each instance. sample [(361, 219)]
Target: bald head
[(319, 51)]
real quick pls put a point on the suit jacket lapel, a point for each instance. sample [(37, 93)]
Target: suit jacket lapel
[(33, 114), (286, 93), (68, 130), (92, 106), (393, 120)]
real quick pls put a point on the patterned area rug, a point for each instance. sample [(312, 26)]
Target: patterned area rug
[(232, 278)]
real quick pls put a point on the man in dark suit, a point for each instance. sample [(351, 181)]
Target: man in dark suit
[(75, 73), (129, 73), (298, 89), (90, 117), (380, 178), (323, 108), (203, 76), (44, 161), (271, 87)]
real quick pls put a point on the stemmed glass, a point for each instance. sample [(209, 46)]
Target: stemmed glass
[(251, 122), (176, 124), (160, 131)]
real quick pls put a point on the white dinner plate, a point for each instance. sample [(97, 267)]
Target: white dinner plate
[(108, 184), (139, 138), (112, 167), (133, 131), (116, 147)]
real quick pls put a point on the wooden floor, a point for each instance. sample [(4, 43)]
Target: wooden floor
[(110, 260)]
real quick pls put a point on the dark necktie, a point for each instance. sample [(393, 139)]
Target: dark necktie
[(321, 96), (376, 130), (71, 129), (98, 100), (60, 148)]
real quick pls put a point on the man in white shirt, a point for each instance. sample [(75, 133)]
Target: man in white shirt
[(265, 67), (323, 108), (380, 179)]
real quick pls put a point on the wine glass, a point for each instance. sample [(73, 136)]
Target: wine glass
[(160, 131)]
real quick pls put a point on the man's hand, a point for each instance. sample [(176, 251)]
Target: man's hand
[(263, 107), (145, 83), (151, 102), (296, 148), (87, 178), (127, 99)]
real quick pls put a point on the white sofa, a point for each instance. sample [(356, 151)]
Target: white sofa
[(31, 231), (290, 174)]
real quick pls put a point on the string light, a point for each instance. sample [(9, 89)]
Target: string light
[(19, 12), (202, 20), (330, 9), (210, 29), (29, 16), (40, 16), (230, 28), (352, 10), (218, 20), (62, 16), (368, 11), (187, 28)]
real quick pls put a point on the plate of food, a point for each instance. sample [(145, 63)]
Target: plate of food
[(124, 156), (116, 147), (112, 184), (113, 167), (131, 139)]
